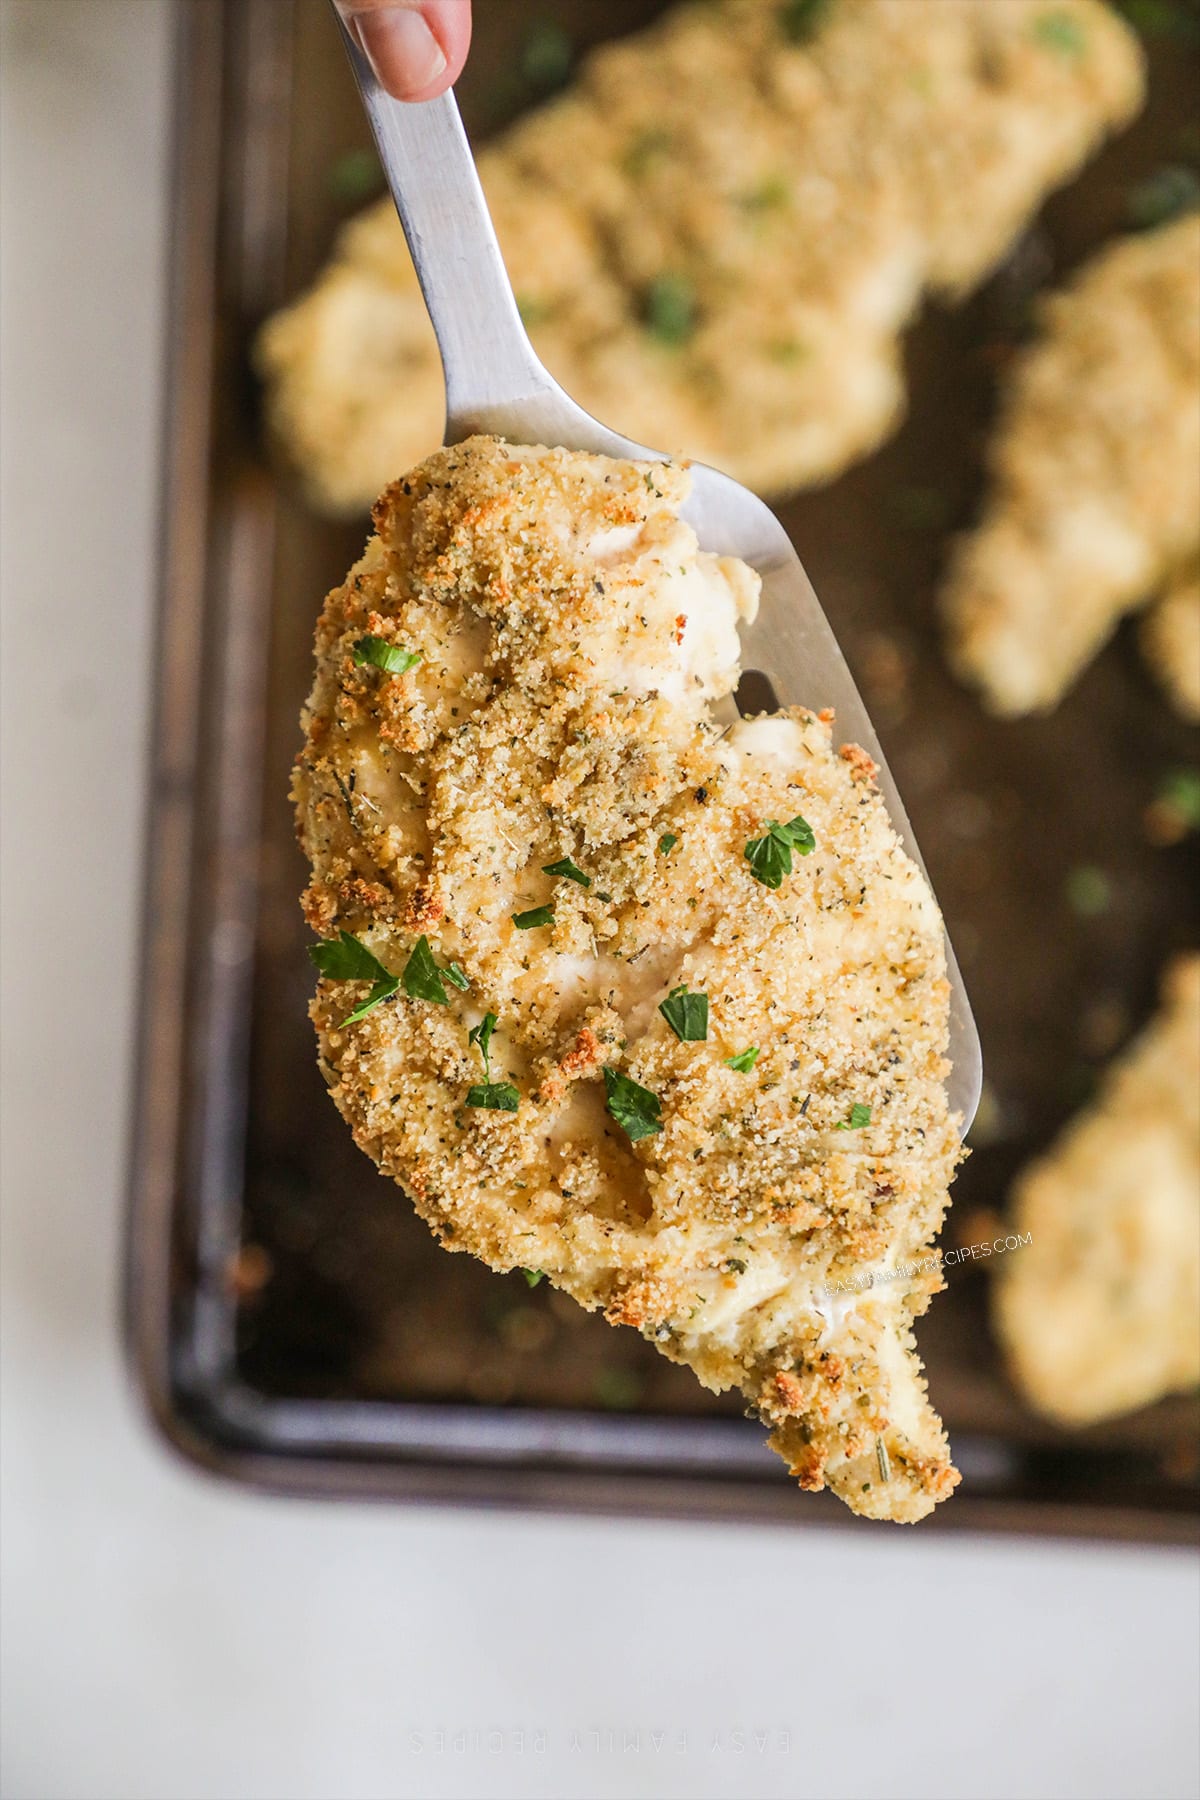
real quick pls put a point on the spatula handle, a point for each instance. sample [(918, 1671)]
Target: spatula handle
[(486, 355)]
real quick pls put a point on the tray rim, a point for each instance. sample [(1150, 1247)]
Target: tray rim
[(215, 522)]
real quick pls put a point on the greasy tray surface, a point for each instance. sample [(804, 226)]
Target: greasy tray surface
[(340, 1331)]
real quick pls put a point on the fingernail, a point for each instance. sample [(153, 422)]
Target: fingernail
[(401, 49)]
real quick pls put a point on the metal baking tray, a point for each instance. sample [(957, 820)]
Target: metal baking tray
[(290, 1321)]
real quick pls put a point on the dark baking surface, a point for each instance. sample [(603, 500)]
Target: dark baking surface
[(300, 1274)]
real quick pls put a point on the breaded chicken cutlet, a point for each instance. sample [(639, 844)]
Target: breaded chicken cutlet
[(1171, 641), (1095, 489), (1100, 1313), (718, 234), (657, 1010)]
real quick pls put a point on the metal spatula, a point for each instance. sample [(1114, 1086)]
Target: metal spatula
[(495, 384)]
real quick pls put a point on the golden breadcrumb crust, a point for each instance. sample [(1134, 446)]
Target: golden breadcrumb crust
[(1095, 496), (717, 235), (572, 640), (1100, 1313)]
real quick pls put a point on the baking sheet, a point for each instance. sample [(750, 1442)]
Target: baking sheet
[(291, 1316)]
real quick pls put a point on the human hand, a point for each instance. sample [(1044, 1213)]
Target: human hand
[(416, 47)]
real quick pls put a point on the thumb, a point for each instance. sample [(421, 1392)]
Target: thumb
[(416, 47)]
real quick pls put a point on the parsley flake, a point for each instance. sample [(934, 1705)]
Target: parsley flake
[(1060, 31), (491, 1096), (533, 1276), (770, 856), (546, 56), (1179, 790), (636, 1110), (457, 977), (494, 1096), (744, 1061), (422, 979), (667, 843), (686, 1014), (1165, 195), (643, 151), (348, 960), (533, 311), (800, 20), (537, 915), (1163, 18), (355, 176), (1089, 891), (669, 309), (393, 659), (382, 990), (481, 1035), (568, 870), (860, 1115), (770, 194)]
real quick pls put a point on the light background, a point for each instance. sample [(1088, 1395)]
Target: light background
[(170, 1638)]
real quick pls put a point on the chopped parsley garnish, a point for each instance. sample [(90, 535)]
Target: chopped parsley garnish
[(1180, 791), (1165, 195), (533, 1276), (636, 1110), (546, 56), (345, 959), (644, 149), (770, 856), (686, 1014), (537, 915), (456, 977), (919, 508), (669, 309), (492, 1096), (533, 311), (734, 1265), (356, 175), (1089, 891), (617, 1388), (382, 990), (860, 1115), (768, 196), (481, 1035), (348, 960), (1163, 18), (391, 658), (744, 1061), (568, 870), (1060, 31), (422, 978), (800, 20), (667, 843)]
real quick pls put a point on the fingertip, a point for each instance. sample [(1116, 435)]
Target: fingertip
[(416, 50), (450, 23)]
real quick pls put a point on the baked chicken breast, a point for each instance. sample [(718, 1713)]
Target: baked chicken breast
[(1100, 1313), (1095, 492), (1171, 641), (718, 234), (654, 1008)]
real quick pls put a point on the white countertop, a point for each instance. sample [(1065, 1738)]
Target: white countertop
[(170, 1638)]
